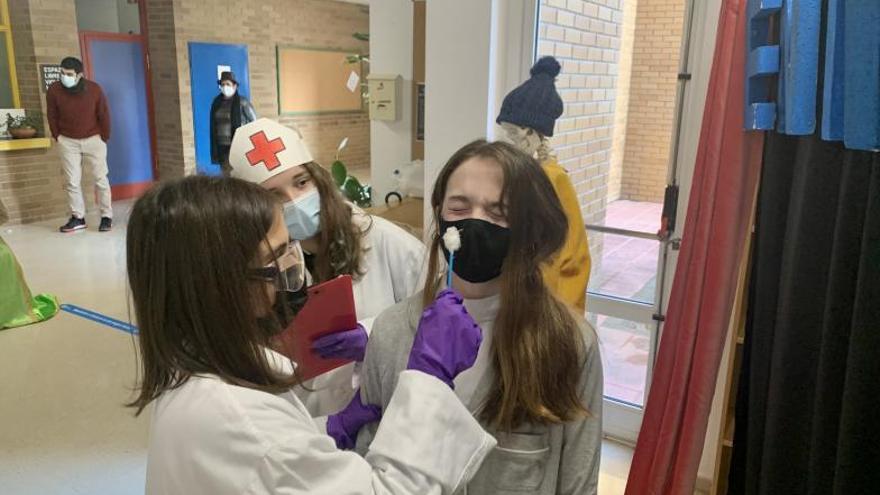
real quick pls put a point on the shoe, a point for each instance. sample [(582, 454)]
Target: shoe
[(106, 224), (73, 225)]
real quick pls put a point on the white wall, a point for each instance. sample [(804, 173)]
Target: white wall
[(457, 60), (391, 52), (476, 52), (513, 52)]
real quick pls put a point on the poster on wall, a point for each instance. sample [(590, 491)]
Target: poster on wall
[(49, 75), (353, 81)]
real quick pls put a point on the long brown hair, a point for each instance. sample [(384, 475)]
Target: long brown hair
[(537, 350), (340, 240), (191, 245)]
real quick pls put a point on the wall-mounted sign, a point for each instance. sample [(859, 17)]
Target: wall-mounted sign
[(49, 74)]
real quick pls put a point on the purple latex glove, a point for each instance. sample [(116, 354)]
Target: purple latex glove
[(447, 340), (345, 425), (347, 344)]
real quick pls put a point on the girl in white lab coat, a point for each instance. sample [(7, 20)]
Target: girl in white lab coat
[(209, 261), (384, 261)]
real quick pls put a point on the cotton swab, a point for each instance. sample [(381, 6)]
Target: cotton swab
[(452, 241)]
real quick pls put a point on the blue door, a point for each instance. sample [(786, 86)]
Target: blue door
[(206, 61), (116, 62)]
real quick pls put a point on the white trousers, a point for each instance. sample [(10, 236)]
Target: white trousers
[(91, 154)]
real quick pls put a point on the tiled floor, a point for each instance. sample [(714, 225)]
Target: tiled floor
[(627, 269), (64, 429)]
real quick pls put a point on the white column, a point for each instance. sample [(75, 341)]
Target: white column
[(457, 61), (391, 52), (476, 51)]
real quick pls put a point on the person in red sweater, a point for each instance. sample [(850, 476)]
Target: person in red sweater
[(79, 119)]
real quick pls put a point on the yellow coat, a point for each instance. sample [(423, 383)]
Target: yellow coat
[(568, 273)]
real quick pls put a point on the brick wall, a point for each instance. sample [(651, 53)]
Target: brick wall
[(45, 31), (262, 26), (30, 180), (585, 35), (166, 93), (621, 111), (658, 31)]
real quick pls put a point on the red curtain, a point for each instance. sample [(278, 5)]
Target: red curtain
[(670, 444)]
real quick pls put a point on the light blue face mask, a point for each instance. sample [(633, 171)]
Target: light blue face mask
[(303, 216), (68, 81)]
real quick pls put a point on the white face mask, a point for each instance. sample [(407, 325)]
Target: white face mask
[(523, 138), (303, 216), (69, 81), (227, 91)]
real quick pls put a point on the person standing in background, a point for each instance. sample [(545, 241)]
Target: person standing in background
[(229, 111), (79, 120), (528, 115)]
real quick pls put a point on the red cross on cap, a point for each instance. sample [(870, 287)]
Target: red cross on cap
[(265, 151)]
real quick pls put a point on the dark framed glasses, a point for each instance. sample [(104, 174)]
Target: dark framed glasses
[(287, 272)]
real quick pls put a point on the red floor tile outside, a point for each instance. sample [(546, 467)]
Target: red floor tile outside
[(626, 268)]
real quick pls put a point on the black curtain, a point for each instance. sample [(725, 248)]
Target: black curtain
[(808, 405)]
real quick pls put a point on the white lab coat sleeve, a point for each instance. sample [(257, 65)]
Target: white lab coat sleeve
[(368, 324), (428, 443), (358, 367), (406, 263)]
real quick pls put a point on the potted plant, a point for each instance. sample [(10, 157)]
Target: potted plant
[(352, 188), (23, 127)]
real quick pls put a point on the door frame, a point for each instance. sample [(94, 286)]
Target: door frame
[(130, 190)]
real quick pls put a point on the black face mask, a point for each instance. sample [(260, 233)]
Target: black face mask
[(484, 246), (287, 306)]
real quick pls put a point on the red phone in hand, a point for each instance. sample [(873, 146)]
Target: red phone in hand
[(329, 309)]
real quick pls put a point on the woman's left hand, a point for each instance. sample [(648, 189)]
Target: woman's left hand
[(345, 425), (347, 344)]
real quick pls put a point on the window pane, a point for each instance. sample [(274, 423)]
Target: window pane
[(6, 100), (108, 16), (624, 267), (625, 346)]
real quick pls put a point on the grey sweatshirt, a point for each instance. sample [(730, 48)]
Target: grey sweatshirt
[(533, 459)]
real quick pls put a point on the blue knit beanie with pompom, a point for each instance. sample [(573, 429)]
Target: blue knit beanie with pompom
[(535, 103)]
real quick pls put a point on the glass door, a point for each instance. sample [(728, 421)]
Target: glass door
[(624, 304), (624, 70)]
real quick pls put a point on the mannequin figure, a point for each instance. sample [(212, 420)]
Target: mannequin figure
[(528, 116)]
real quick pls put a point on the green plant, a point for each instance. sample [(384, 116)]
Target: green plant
[(22, 122), (358, 58), (350, 186), (361, 58)]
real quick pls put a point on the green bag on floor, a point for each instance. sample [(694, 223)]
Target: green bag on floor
[(17, 307)]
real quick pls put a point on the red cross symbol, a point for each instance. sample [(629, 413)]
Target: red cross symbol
[(265, 151)]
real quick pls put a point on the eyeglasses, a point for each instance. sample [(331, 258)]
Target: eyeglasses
[(287, 271)]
